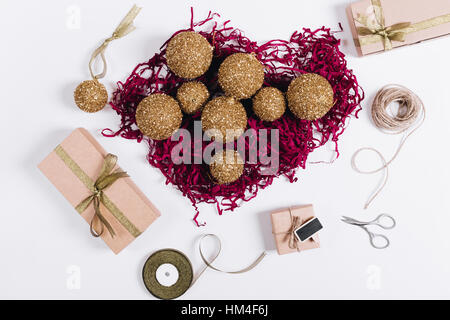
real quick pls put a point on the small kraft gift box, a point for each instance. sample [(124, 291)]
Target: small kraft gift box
[(380, 25), (285, 222), (89, 178)]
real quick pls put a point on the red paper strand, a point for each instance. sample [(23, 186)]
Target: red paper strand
[(306, 51)]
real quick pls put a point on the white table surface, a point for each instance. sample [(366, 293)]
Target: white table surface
[(46, 250)]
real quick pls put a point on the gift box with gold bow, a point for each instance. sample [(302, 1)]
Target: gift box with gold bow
[(101, 192), (285, 222), (380, 25)]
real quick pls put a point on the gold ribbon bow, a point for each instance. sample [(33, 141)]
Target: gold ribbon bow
[(396, 32), (124, 28), (104, 180), (374, 31)]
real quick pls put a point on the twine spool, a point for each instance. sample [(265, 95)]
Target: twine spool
[(408, 118)]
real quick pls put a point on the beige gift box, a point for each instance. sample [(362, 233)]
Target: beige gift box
[(427, 19), (132, 211), (282, 221)]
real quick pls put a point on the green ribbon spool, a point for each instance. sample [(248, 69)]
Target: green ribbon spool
[(175, 258)]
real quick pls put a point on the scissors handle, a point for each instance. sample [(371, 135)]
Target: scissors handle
[(377, 221), (373, 236)]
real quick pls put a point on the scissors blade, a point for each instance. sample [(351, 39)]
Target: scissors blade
[(349, 220), (357, 222)]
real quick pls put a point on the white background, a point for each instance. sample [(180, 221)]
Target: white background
[(44, 244)]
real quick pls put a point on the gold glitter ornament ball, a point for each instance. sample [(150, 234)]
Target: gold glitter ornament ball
[(192, 96), (90, 96), (310, 96), (189, 54), (224, 115), (269, 104), (226, 167), (158, 116), (241, 75)]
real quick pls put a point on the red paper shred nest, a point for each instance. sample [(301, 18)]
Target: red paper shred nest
[(307, 51)]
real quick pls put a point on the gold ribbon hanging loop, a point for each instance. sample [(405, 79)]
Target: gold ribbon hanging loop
[(125, 27)]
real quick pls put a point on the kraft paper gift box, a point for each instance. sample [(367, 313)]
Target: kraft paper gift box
[(380, 25), (282, 227), (75, 165)]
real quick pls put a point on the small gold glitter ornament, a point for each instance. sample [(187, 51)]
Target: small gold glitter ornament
[(310, 96), (269, 104), (224, 116), (192, 96), (158, 116), (189, 54), (241, 75), (226, 167), (90, 96)]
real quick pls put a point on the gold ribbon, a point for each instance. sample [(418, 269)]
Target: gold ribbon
[(374, 32), (124, 28), (209, 263), (106, 178)]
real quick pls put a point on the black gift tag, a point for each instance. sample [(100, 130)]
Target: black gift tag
[(308, 229)]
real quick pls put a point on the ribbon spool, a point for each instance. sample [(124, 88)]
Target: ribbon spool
[(168, 273), (91, 95), (156, 263)]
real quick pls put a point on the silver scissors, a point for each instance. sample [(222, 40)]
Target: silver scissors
[(375, 222)]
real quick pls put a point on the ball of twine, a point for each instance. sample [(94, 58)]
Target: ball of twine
[(409, 117)]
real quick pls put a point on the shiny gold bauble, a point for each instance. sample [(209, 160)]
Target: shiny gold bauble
[(189, 54), (192, 96), (241, 75), (225, 118), (226, 167), (310, 96), (269, 104), (90, 96), (158, 116)]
